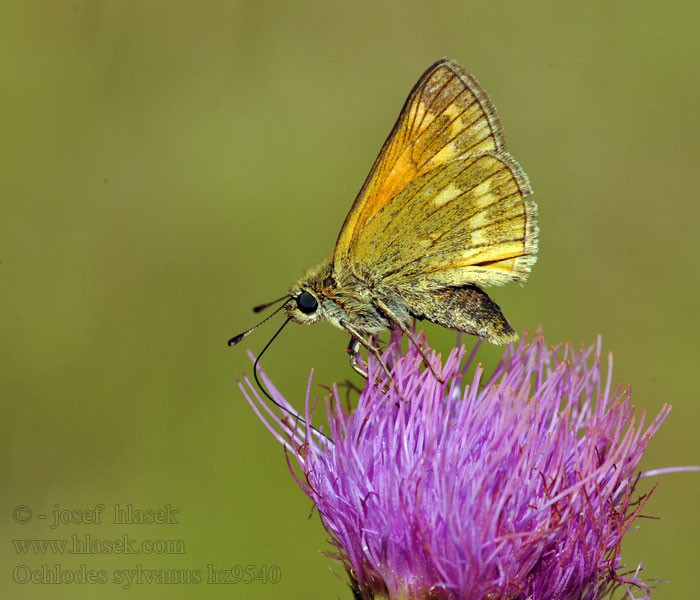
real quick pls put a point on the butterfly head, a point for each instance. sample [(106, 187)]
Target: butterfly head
[(309, 297), (304, 307)]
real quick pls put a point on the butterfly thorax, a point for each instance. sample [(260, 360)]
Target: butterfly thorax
[(343, 299)]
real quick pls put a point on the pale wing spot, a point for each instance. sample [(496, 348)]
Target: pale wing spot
[(479, 220), (445, 155), (447, 195), (485, 200), (479, 237), (423, 117), (419, 113), (482, 188), (485, 145)]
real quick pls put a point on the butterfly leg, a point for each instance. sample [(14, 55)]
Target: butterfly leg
[(389, 313), (354, 350)]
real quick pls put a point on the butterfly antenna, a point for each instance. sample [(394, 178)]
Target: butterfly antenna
[(257, 309), (264, 391), (241, 336)]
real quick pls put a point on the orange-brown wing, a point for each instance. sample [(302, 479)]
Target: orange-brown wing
[(446, 116)]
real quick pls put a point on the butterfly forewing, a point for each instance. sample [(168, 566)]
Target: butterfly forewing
[(444, 203), (445, 115)]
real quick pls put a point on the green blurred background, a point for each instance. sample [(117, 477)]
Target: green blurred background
[(165, 166)]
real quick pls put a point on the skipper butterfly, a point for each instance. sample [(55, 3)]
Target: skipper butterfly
[(443, 212)]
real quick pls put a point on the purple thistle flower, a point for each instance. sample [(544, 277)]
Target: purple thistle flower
[(520, 486)]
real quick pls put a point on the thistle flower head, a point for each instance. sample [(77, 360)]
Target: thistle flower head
[(516, 486)]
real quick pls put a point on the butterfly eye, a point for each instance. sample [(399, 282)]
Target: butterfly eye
[(307, 303)]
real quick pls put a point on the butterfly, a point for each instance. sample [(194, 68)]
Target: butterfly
[(443, 212)]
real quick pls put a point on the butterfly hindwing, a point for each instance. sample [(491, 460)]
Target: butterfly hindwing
[(464, 222), (465, 308)]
